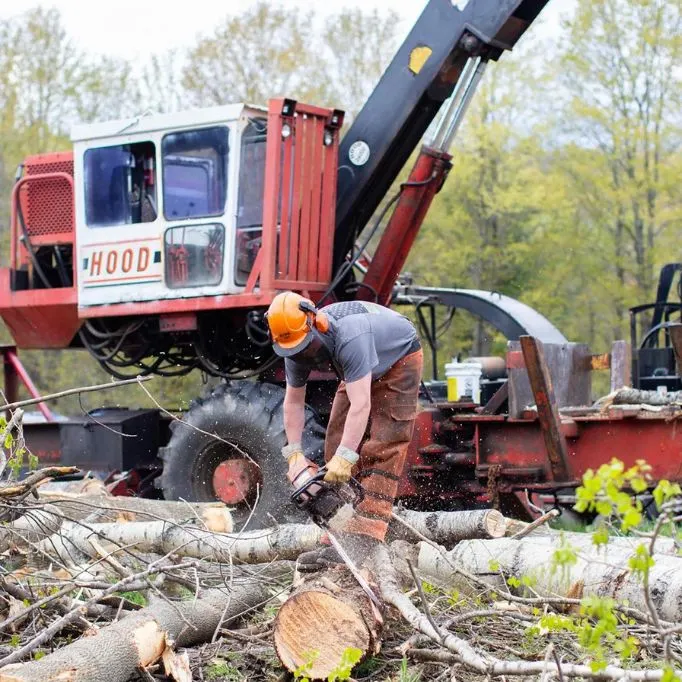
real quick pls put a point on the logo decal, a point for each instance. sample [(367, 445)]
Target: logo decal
[(106, 264), (359, 153)]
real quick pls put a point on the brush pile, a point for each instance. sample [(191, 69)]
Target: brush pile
[(95, 587)]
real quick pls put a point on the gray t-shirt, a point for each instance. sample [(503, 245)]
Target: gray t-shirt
[(362, 338)]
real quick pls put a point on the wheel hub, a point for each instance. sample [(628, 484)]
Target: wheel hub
[(236, 480)]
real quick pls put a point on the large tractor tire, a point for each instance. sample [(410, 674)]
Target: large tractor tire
[(227, 448)]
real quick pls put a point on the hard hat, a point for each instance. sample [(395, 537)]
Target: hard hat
[(291, 318)]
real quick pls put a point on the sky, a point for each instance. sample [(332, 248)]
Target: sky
[(140, 28)]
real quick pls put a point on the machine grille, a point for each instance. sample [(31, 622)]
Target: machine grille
[(48, 203)]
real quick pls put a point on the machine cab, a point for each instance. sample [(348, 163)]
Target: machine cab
[(170, 205), (173, 214)]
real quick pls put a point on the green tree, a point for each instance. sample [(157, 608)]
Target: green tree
[(357, 47), (619, 68), (479, 231), (259, 54)]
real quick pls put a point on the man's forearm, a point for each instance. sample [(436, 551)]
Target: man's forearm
[(294, 414), (355, 426)]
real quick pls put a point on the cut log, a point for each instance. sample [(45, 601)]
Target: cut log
[(448, 528), (116, 652), (323, 618), (159, 537), (604, 573)]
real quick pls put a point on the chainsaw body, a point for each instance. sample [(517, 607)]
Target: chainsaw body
[(323, 501)]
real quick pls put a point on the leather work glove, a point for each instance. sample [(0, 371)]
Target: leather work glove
[(340, 465), (296, 460)]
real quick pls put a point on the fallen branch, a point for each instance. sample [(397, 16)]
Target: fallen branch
[(116, 652), (48, 633), (32, 480), (486, 664), (214, 516), (74, 391)]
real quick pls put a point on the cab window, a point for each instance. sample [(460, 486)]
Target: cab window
[(120, 184), (195, 166)]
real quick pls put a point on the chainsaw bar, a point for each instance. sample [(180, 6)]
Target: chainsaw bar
[(355, 571)]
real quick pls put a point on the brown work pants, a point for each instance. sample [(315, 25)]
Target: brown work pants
[(384, 446)]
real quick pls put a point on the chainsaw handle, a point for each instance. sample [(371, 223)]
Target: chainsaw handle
[(318, 479)]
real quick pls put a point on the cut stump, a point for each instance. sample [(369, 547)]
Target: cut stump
[(321, 620)]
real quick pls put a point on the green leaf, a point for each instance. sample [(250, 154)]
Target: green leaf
[(600, 536), (604, 508)]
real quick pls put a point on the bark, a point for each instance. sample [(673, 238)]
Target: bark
[(159, 537), (633, 396), (604, 573), (448, 528), (117, 651), (324, 616)]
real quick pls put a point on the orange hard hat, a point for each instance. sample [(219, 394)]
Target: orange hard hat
[(290, 323)]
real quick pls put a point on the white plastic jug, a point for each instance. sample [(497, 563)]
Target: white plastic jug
[(464, 381)]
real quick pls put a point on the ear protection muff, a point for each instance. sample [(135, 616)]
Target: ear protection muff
[(321, 322), (320, 319)]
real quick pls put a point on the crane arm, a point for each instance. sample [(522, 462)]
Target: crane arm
[(423, 74)]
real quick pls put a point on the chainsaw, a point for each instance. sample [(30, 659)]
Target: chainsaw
[(330, 506)]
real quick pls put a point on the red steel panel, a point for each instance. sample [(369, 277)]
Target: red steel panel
[(39, 318), (300, 140), (311, 244), (312, 110), (261, 299), (301, 261), (520, 444)]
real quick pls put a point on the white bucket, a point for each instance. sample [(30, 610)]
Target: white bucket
[(464, 381)]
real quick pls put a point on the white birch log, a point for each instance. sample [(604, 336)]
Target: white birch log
[(77, 507), (604, 573), (32, 527), (448, 528), (159, 537), (117, 651)]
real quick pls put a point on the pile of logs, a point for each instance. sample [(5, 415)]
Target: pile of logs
[(73, 562)]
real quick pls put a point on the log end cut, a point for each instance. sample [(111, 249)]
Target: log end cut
[(313, 631)]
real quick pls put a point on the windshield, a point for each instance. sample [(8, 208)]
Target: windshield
[(195, 173)]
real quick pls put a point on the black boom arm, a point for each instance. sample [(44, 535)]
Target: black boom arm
[(422, 75)]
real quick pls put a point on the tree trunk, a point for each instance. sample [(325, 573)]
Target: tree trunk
[(42, 522), (325, 616), (602, 573), (159, 537), (116, 652)]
